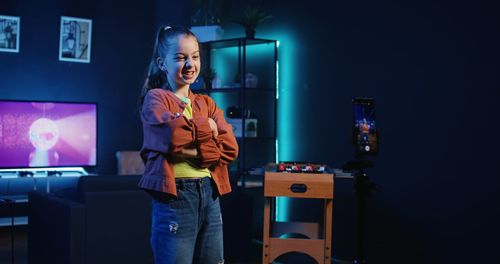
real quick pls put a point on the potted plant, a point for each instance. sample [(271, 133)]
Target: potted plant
[(206, 19), (250, 19), (205, 12)]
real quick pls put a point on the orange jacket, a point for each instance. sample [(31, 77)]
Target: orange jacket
[(167, 131)]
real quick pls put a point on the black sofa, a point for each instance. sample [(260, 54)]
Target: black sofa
[(104, 219)]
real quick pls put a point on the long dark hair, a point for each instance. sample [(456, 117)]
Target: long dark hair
[(155, 77)]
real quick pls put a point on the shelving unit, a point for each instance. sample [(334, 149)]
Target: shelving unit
[(233, 60)]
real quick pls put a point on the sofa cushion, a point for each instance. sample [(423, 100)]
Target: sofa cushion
[(107, 183)]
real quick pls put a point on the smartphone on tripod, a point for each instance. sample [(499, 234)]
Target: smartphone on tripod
[(365, 133)]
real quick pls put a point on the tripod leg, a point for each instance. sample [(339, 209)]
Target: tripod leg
[(362, 189)]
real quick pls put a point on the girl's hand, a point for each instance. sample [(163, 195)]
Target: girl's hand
[(213, 126), (189, 153)]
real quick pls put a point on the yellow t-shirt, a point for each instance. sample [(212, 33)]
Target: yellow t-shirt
[(186, 167)]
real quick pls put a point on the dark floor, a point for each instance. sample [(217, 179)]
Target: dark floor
[(21, 250)]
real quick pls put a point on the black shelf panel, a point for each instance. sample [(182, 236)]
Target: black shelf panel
[(256, 138), (229, 90), (225, 43), (233, 90)]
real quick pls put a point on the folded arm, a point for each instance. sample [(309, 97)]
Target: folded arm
[(222, 148), (171, 132)]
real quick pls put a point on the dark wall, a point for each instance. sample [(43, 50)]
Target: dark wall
[(432, 67), (122, 41)]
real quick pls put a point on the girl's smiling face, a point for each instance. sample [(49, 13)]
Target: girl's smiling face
[(182, 61)]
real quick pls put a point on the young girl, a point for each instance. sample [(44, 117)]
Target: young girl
[(187, 147)]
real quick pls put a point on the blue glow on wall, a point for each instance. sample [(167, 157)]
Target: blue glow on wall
[(286, 94), (287, 74)]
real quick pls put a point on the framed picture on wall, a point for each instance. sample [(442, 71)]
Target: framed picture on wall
[(9, 33), (75, 39)]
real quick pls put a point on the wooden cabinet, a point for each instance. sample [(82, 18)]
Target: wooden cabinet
[(318, 239)]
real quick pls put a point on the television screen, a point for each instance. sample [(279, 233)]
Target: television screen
[(47, 134)]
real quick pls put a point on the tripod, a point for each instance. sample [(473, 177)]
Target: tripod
[(362, 188)]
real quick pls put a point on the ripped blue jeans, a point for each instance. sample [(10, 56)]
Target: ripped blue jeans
[(188, 228)]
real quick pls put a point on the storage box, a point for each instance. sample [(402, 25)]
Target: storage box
[(207, 33), (250, 126)]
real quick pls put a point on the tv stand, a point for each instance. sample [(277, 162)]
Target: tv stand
[(43, 172), (15, 184)]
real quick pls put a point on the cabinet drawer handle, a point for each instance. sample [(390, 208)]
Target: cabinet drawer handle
[(298, 188)]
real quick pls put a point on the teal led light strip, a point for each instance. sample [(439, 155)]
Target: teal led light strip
[(287, 94), (284, 136), (276, 159)]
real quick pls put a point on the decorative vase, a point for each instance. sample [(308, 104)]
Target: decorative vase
[(251, 80), (208, 84), (250, 33)]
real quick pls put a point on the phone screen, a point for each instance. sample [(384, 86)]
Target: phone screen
[(365, 134)]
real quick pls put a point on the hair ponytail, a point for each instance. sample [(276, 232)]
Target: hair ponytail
[(156, 78)]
